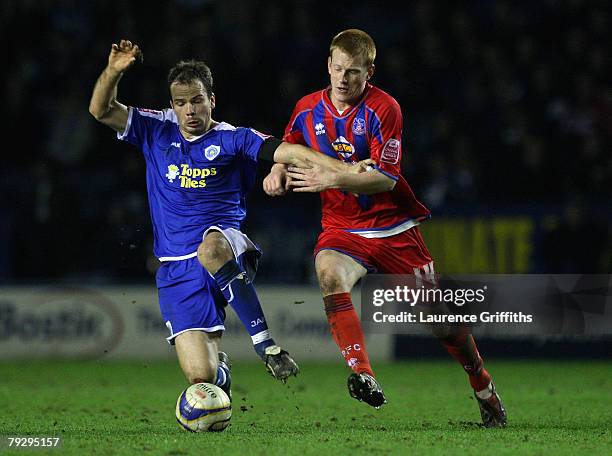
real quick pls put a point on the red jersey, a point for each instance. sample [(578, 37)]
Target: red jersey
[(370, 129)]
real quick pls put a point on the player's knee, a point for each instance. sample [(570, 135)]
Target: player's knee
[(203, 373), (329, 281), (214, 252)]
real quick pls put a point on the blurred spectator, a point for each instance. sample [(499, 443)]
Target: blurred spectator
[(579, 243)]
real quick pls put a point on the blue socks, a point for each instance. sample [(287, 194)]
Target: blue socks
[(240, 294), (223, 377)]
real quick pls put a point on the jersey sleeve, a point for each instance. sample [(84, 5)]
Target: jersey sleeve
[(294, 130), (248, 141), (142, 124), (386, 138)]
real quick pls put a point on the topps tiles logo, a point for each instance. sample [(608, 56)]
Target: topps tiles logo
[(189, 177)]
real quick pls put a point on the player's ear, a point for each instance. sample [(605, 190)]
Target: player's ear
[(212, 101), (370, 72), (329, 64)]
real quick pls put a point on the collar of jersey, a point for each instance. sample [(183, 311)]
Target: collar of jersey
[(219, 126), (332, 109)]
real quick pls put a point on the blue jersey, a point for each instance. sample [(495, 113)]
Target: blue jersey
[(192, 185)]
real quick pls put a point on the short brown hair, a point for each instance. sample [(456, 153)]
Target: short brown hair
[(188, 71), (355, 43)]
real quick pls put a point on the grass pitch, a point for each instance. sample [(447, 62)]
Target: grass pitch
[(126, 408)]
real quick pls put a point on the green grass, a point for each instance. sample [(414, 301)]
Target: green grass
[(128, 408)]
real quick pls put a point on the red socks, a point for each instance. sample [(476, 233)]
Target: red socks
[(346, 330), (463, 348)]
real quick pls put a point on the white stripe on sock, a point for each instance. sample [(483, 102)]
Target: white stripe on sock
[(231, 292), (221, 377), (261, 336), (485, 393)]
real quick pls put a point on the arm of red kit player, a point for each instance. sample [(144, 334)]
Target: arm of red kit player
[(280, 180), (360, 178), (304, 157), (386, 138)]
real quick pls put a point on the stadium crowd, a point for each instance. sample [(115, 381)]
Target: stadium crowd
[(506, 105)]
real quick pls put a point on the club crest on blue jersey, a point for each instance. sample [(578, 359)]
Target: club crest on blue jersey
[(359, 126), (211, 152), (343, 148)]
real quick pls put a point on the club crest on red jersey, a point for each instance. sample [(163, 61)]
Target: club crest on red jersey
[(359, 126), (343, 148), (391, 151)]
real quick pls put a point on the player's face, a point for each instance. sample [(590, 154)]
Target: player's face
[(193, 107), (348, 76)]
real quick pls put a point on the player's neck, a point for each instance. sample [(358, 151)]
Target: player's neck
[(342, 106), (211, 124), (191, 137)]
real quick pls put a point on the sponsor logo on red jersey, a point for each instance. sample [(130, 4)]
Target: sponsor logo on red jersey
[(343, 148), (391, 151)]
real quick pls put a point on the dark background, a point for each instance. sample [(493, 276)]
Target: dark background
[(507, 112)]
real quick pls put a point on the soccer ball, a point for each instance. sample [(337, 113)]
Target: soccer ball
[(203, 407)]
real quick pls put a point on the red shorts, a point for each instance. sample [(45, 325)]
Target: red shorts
[(404, 253)]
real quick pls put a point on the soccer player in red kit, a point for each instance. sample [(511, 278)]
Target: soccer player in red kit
[(370, 219)]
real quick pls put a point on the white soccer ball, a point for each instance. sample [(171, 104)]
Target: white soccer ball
[(203, 407)]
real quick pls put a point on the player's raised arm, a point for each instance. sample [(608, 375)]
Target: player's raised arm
[(103, 104)]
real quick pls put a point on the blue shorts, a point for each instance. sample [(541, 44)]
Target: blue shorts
[(189, 297)]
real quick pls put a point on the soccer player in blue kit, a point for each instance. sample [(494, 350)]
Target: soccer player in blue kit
[(198, 174)]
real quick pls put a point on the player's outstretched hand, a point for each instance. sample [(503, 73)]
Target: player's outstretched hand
[(314, 179), (123, 55), (277, 183)]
